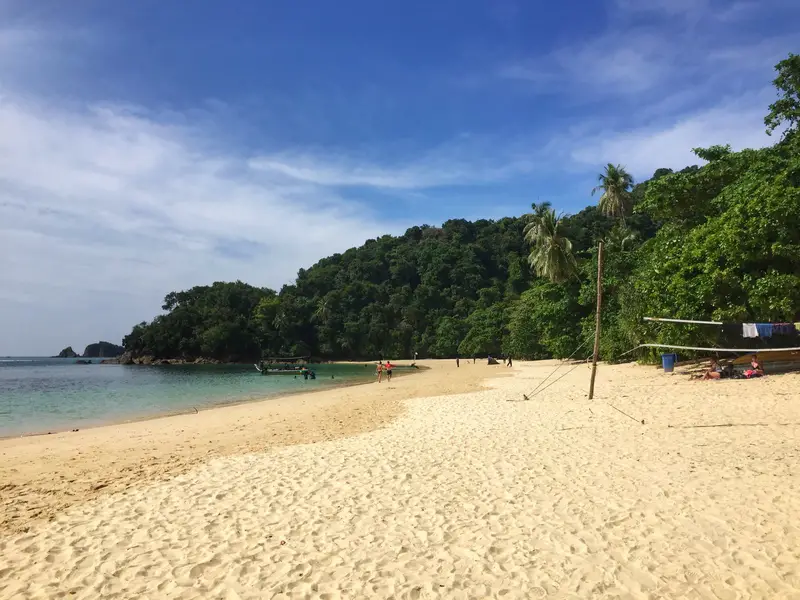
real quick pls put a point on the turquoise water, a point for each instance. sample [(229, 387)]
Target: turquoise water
[(51, 394)]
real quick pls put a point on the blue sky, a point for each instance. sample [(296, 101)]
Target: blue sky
[(150, 146)]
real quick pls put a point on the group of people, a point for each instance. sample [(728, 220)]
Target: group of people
[(384, 368), (387, 367), (715, 371), (506, 361)]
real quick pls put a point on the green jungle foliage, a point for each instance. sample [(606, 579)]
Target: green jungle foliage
[(719, 241)]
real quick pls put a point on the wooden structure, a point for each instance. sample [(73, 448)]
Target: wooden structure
[(596, 352)]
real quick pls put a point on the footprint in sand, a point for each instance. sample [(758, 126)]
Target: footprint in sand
[(692, 575), (537, 592)]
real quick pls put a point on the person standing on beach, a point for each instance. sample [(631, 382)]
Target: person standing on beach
[(458, 362), (388, 371), (379, 371), (510, 363)]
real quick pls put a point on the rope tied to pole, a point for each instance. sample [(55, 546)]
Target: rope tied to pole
[(558, 366)]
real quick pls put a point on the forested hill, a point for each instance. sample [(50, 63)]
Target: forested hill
[(423, 291), (719, 241)]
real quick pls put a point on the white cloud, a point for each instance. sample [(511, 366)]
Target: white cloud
[(37, 57), (739, 123), (659, 85), (461, 162), (604, 65), (707, 10), (668, 7), (344, 172), (104, 211), (642, 55)]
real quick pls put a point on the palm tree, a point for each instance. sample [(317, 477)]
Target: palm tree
[(535, 217), (551, 252), (615, 185), (621, 237), (345, 343), (323, 311)]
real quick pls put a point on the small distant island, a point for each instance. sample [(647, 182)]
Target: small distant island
[(67, 352), (103, 350), (96, 350)]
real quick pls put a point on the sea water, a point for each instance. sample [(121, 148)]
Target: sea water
[(38, 395)]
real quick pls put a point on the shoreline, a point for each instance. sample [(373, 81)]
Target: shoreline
[(43, 475), (195, 410)]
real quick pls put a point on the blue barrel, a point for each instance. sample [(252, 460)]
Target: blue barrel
[(668, 361)]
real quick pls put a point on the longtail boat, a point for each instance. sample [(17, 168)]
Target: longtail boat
[(285, 365)]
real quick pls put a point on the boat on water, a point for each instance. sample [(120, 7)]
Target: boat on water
[(291, 365)]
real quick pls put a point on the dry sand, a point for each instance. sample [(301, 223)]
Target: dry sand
[(478, 495), (42, 475)]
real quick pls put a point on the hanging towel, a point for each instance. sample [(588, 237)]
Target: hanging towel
[(749, 330), (797, 327), (783, 329), (764, 330)]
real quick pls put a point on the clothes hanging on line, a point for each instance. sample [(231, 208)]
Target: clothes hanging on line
[(764, 330), (749, 330), (783, 329)]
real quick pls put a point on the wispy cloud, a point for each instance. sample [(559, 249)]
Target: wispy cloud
[(602, 66), (461, 162), (659, 86), (35, 57), (739, 123), (639, 61), (668, 7)]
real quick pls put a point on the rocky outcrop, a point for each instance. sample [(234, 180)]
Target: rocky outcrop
[(102, 350), (67, 352), (128, 359), (125, 359)]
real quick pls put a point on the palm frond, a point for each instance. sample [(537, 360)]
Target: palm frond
[(551, 252), (616, 200)]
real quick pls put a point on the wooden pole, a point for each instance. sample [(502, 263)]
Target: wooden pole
[(597, 317)]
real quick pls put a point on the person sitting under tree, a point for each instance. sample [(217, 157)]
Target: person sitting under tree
[(714, 371), (755, 370)]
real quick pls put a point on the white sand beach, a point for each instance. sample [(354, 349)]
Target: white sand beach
[(694, 492)]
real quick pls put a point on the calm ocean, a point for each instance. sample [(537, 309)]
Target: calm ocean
[(38, 395)]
